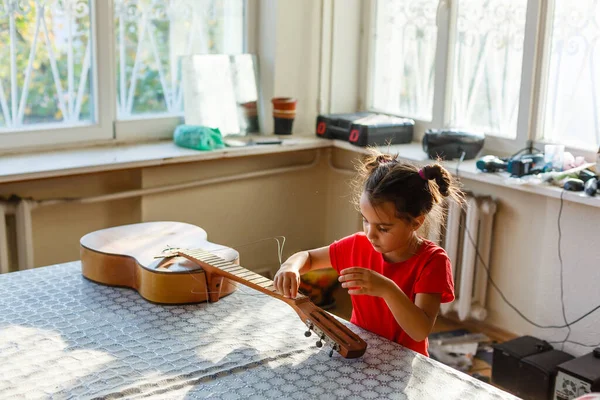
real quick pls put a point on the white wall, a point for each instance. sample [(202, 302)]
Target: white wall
[(289, 58), (248, 214), (244, 214), (526, 267), (310, 50), (58, 228)]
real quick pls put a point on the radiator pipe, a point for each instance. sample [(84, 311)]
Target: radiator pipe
[(451, 244), (488, 210), (24, 233), (4, 266), (469, 251)]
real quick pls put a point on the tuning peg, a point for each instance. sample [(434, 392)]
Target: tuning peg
[(308, 332), (320, 341), (335, 347)]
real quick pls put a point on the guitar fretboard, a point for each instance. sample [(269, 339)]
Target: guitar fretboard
[(248, 277)]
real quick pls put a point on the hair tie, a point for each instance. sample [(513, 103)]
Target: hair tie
[(422, 174)]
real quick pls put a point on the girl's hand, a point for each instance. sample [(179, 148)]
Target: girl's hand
[(364, 281), (287, 281)]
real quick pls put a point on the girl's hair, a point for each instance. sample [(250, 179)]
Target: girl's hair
[(413, 191)]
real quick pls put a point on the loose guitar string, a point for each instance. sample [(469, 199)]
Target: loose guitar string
[(239, 286)]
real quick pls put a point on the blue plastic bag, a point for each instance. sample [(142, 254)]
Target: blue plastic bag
[(198, 137)]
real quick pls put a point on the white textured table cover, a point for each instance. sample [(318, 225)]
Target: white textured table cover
[(62, 336)]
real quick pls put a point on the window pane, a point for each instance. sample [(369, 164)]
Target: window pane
[(404, 59), (572, 102), (45, 73), (150, 37), (488, 56)]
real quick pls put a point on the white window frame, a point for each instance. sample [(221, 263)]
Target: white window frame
[(541, 82), (107, 129), (56, 135), (533, 75)]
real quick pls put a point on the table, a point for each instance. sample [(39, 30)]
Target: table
[(62, 336)]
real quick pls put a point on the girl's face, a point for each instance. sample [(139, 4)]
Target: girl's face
[(389, 235)]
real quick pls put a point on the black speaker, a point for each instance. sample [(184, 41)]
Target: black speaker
[(449, 144), (507, 364)]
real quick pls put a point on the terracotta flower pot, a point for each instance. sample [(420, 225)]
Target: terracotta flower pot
[(284, 112)]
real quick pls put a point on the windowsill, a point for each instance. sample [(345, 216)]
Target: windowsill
[(413, 152), (23, 167)]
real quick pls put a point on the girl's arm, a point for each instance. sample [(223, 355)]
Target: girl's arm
[(416, 319), (287, 278)]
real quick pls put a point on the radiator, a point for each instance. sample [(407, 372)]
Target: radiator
[(467, 231)]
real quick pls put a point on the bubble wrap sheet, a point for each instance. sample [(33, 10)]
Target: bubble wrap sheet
[(62, 336)]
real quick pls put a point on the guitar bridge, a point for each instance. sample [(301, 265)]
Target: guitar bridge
[(168, 252)]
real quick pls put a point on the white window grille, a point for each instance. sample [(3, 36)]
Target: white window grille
[(46, 68), (488, 59), (572, 103), (484, 40), (517, 70), (404, 57), (150, 38)]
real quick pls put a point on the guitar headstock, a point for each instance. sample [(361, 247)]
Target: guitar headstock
[(330, 331)]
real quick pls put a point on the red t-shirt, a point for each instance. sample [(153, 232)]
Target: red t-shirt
[(428, 271)]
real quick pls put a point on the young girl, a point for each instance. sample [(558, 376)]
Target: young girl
[(396, 279)]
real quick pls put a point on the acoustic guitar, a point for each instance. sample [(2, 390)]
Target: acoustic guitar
[(174, 263)]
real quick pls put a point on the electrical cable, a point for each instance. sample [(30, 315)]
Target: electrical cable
[(562, 286)]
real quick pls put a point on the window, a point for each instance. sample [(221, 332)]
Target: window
[(486, 77), (45, 76), (572, 103), (405, 47), (514, 69), (150, 37), (57, 84)]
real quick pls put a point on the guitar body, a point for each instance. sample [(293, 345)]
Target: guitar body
[(126, 256)]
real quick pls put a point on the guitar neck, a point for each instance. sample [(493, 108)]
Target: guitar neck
[(216, 265)]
